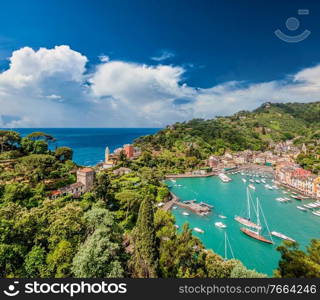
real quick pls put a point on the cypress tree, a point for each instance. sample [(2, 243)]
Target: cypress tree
[(144, 262)]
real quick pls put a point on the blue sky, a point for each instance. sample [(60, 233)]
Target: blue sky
[(150, 63)]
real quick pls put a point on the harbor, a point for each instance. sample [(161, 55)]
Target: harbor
[(285, 220)]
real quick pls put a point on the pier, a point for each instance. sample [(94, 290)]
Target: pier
[(200, 209)]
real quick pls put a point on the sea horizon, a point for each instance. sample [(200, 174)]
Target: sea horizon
[(88, 144)]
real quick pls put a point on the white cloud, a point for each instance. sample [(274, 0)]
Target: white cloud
[(164, 54), (52, 88), (30, 87)]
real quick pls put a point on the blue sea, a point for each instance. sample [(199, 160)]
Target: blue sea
[(89, 144)]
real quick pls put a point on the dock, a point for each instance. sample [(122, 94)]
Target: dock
[(200, 209)]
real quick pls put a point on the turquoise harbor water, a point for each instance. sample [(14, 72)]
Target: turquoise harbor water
[(229, 199)]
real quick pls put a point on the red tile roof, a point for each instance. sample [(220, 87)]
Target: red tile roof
[(301, 172), (57, 192), (86, 170)]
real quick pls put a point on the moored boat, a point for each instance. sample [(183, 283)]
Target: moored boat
[(185, 213), (301, 208), (198, 230), (282, 236), (222, 217), (224, 177), (255, 235), (247, 222), (251, 186), (220, 225)]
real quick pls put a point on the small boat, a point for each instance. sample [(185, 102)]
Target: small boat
[(244, 180), (256, 232), (220, 225), (176, 226), (257, 181), (316, 213), (173, 180), (185, 213), (247, 222), (282, 236), (224, 177), (198, 230), (251, 180), (222, 217), (280, 199), (174, 207), (251, 186), (296, 197), (255, 235), (263, 181), (301, 208)]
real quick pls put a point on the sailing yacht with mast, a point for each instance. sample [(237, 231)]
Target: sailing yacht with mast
[(256, 234), (226, 244), (247, 220)]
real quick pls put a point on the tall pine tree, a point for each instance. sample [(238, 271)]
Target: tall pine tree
[(144, 262)]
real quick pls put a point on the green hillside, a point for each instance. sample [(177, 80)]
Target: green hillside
[(254, 130)]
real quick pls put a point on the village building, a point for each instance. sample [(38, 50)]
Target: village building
[(213, 161), (316, 186), (108, 162), (122, 171), (260, 159), (129, 150), (85, 181), (298, 178)]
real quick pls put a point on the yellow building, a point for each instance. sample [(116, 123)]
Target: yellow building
[(316, 186)]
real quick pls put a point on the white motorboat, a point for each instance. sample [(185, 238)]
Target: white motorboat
[(251, 186), (224, 177), (198, 230), (244, 180), (222, 217), (301, 208), (220, 225), (185, 213)]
